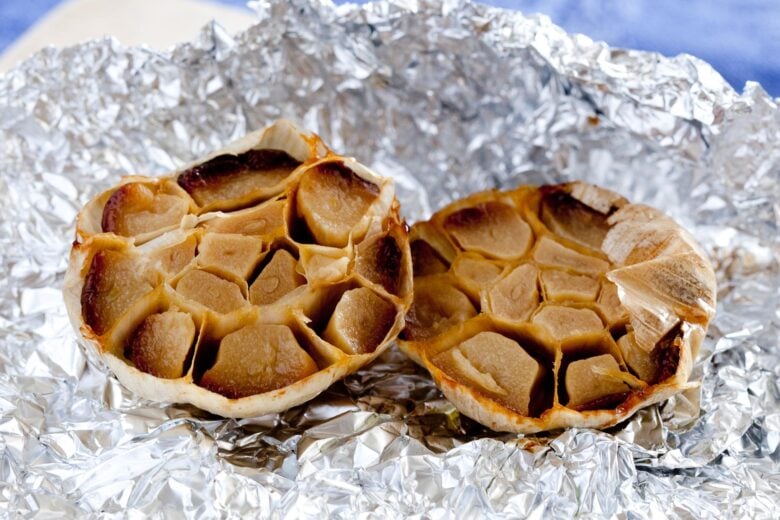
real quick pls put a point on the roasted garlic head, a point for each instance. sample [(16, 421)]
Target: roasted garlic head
[(555, 306), (247, 282)]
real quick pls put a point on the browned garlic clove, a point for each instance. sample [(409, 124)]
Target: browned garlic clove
[(592, 379), (278, 277), (332, 199), (360, 321), (497, 365), (162, 344), (492, 228), (137, 208), (255, 359), (210, 290), (229, 177), (114, 282)]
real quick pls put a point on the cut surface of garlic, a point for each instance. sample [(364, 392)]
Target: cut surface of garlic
[(247, 282), (555, 306)]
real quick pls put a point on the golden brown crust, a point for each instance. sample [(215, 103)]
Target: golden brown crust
[(624, 297), (257, 293)]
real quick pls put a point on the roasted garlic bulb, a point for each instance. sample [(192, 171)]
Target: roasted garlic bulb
[(556, 306), (247, 282)]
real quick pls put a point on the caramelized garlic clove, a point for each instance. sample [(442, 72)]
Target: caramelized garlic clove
[(550, 253), (426, 260), (278, 278), (360, 321), (637, 359), (380, 260), (492, 228), (590, 380), (332, 199), (210, 290), (234, 254), (562, 286), (567, 324), (173, 259), (137, 208), (475, 270), (515, 297), (610, 306), (496, 365), (162, 343), (265, 219), (230, 177), (114, 282), (569, 218), (255, 359), (437, 306)]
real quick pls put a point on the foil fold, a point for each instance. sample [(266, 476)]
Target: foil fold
[(448, 97)]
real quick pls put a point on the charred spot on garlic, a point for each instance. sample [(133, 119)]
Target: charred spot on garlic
[(227, 178)]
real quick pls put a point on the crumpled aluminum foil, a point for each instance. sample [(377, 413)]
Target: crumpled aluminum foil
[(447, 97)]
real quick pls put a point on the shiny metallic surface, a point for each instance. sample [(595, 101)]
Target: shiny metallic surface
[(448, 98)]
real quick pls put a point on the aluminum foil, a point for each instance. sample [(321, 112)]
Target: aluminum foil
[(447, 97)]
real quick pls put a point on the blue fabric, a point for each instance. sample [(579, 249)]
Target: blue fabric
[(16, 17), (738, 37)]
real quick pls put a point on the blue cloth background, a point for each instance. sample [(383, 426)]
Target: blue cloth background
[(740, 38)]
